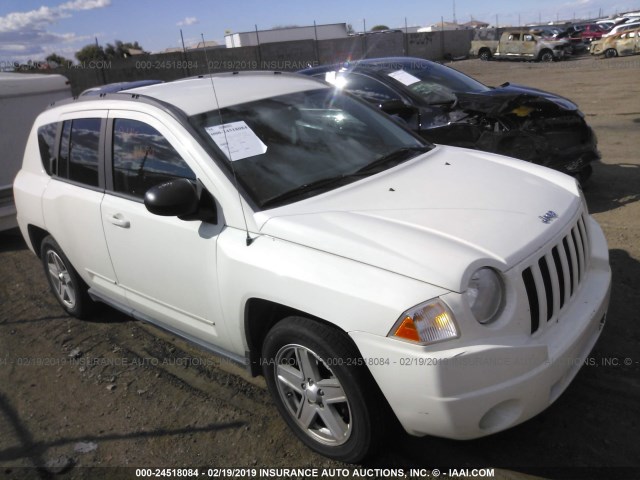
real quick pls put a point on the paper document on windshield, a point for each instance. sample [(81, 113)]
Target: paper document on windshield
[(404, 77), (236, 140)]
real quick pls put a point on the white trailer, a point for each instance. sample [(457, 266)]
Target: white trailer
[(22, 98)]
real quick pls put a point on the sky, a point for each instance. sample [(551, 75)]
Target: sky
[(32, 29)]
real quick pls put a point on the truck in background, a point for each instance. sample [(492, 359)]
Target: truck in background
[(22, 97), (520, 45)]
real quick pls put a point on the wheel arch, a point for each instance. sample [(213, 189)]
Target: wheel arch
[(36, 237), (260, 316), (484, 50), (544, 51)]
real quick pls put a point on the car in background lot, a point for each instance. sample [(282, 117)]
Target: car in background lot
[(621, 44), (624, 27), (589, 32), (445, 106), (606, 24), (294, 229)]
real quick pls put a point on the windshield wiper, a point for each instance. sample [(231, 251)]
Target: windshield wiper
[(302, 189), (395, 157)]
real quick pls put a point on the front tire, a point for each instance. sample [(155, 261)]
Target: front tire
[(546, 56), (67, 286), (611, 53), (323, 389)]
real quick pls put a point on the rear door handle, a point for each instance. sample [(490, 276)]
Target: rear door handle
[(119, 221)]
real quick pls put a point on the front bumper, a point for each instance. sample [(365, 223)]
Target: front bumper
[(469, 392)]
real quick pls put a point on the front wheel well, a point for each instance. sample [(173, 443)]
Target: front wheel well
[(259, 317), (36, 236), (544, 52)]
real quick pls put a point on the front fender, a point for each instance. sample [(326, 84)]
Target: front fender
[(350, 295)]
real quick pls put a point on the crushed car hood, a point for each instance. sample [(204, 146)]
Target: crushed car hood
[(435, 218), (507, 97)]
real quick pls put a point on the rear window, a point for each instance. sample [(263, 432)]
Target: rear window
[(46, 143)]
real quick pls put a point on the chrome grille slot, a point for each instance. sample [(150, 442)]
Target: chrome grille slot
[(552, 280)]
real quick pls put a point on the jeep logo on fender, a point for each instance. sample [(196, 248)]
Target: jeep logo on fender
[(548, 217)]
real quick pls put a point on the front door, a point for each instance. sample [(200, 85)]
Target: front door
[(166, 266)]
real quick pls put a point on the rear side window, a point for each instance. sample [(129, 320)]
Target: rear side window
[(79, 151), (143, 158), (46, 143)]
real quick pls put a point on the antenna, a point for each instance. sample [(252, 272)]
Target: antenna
[(224, 132)]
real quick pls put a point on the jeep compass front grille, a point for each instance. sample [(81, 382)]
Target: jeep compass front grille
[(553, 280)]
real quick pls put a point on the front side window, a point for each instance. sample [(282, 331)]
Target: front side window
[(79, 151), (294, 146), (143, 158)]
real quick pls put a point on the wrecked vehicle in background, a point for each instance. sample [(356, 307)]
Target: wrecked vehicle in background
[(445, 106), (520, 45), (621, 44)]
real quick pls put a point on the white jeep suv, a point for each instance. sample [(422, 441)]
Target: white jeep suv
[(293, 228)]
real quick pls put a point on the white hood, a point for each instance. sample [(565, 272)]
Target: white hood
[(435, 218)]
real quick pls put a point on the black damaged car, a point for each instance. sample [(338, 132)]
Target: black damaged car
[(448, 107)]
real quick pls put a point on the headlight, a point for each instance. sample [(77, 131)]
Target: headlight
[(427, 323), (484, 295)]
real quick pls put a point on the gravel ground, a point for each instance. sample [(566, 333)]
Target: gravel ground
[(113, 392)]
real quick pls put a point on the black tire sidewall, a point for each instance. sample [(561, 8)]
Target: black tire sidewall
[(355, 381)]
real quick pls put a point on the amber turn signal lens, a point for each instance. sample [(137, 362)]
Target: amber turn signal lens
[(408, 330)]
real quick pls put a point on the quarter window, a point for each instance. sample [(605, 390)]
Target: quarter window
[(143, 158), (46, 142)]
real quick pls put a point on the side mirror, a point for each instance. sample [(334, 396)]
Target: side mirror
[(172, 199)]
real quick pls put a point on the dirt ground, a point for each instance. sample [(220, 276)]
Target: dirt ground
[(113, 392)]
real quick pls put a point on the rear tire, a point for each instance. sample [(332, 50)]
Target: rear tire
[(323, 389), (485, 55), (66, 285)]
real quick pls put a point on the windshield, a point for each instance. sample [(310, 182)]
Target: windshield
[(433, 82), (295, 146)]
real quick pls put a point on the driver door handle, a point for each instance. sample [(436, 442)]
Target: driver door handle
[(119, 221)]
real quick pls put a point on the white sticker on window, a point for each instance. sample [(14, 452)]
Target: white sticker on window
[(330, 77), (236, 140), (404, 77)]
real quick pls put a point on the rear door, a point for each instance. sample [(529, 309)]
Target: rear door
[(71, 201), (528, 45), (512, 46), (166, 266)]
